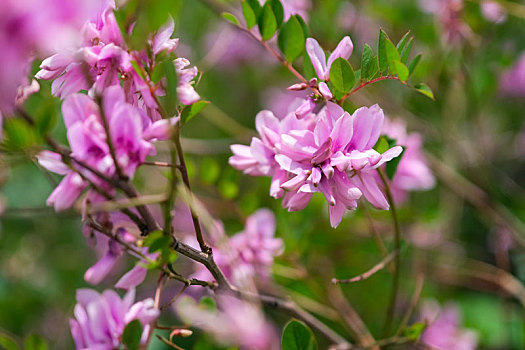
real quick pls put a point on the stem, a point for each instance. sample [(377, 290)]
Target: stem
[(109, 142), (378, 267), (158, 292), (397, 261), (170, 200), (366, 83), (186, 180), (413, 302)]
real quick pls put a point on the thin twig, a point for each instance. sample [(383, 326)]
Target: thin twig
[(161, 164), (186, 180), (350, 316), (109, 140), (156, 303), (366, 83), (174, 299), (420, 279), (365, 275), (397, 261)]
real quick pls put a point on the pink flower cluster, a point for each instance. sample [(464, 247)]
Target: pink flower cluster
[(102, 59), (131, 133), (329, 152), (444, 330), (413, 173), (100, 319), (249, 253), (235, 322), (28, 29)]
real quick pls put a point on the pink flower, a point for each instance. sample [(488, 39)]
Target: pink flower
[(236, 322), (448, 16), (29, 29), (100, 319), (512, 82), (131, 135), (444, 328), (413, 173), (493, 11), (185, 91), (102, 60), (331, 152), (317, 56), (247, 254)]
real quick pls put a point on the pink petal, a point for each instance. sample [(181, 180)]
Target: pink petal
[(317, 56), (344, 50)]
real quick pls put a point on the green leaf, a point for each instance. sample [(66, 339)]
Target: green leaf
[(381, 51), (405, 52), (402, 43), (391, 166), (8, 343), (132, 334), (152, 237), (249, 15), (413, 64), (191, 111), (414, 331), (308, 68), (303, 25), (160, 243), (267, 22), (424, 89), (207, 303), (230, 18), (35, 342), (391, 53), (256, 7), (297, 336), (342, 75), (19, 135), (368, 63), (382, 145), (278, 11), (400, 69), (291, 39), (170, 100)]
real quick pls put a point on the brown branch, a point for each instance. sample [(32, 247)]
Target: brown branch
[(365, 275), (186, 180), (350, 316)]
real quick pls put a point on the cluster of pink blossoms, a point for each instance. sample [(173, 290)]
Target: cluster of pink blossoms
[(100, 319), (247, 254), (29, 29), (444, 329), (318, 147)]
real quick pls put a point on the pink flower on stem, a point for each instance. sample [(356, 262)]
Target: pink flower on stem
[(249, 253), (29, 29), (236, 322), (317, 56), (444, 330), (100, 319), (131, 134), (413, 173), (331, 152)]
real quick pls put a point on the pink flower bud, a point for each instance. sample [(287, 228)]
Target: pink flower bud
[(297, 87)]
